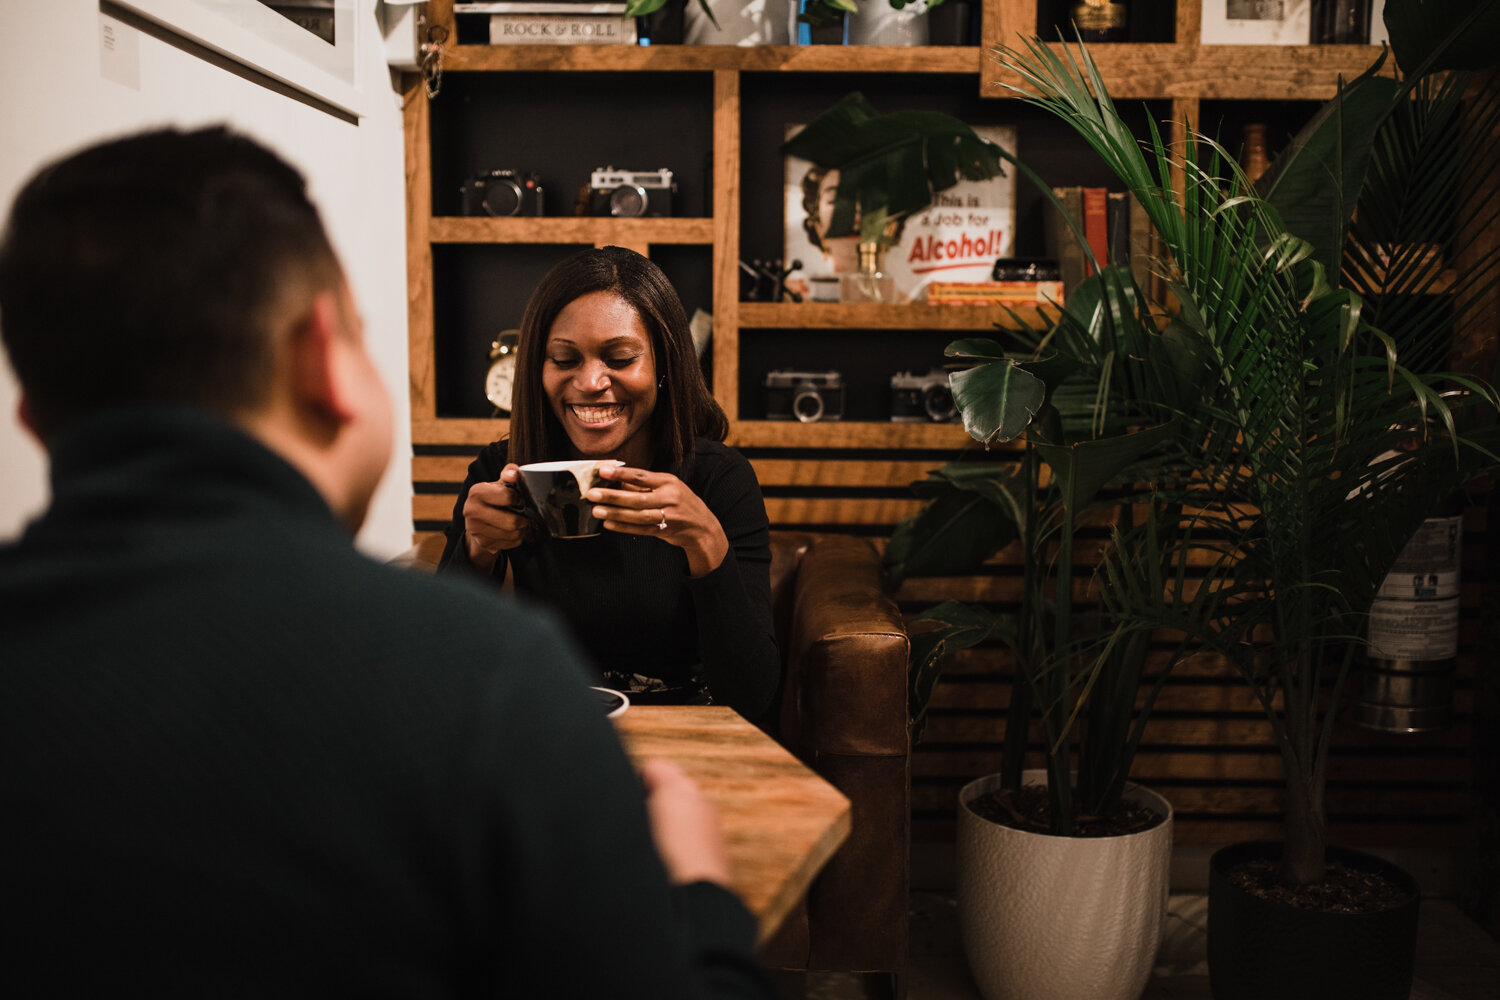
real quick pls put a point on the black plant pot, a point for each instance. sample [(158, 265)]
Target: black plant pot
[(1261, 948)]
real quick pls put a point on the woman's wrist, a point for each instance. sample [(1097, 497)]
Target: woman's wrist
[(483, 562), (707, 554)]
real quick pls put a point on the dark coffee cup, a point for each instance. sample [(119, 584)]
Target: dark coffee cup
[(552, 494)]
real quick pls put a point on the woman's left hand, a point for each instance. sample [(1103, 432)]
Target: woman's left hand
[(659, 504)]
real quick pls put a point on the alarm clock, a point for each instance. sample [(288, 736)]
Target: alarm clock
[(500, 380)]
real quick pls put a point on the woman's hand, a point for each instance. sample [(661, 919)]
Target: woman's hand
[(659, 504), (684, 825), (490, 525)]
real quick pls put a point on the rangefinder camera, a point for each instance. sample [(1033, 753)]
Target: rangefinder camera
[(502, 192), (630, 194), (920, 399), (804, 396)]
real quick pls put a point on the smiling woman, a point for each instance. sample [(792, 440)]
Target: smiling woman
[(673, 599)]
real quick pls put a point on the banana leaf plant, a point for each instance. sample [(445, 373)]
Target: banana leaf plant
[(890, 165), (1096, 397), (1314, 441)]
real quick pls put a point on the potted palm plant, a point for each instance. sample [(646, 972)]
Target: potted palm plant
[(1305, 421), (1094, 395)]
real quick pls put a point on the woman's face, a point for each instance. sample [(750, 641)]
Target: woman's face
[(600, 378), (828, 189)]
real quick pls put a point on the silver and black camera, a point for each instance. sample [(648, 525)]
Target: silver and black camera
[(920, 399), (502, 192), (632, 194), (804, 396)]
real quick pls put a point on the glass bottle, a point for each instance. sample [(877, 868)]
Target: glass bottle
[(1099, 20), (870, 283)]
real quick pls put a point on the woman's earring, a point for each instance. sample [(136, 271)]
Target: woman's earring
[(661, 381)]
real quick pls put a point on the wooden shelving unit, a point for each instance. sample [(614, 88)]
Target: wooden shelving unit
[(852, 476)]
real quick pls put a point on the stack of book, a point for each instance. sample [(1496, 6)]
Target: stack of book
[(555, 22), (1114, 225), (994, 293)]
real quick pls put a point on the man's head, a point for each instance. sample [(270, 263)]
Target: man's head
[(188, 268)]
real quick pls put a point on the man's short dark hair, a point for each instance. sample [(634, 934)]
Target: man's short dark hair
[(151, 268)]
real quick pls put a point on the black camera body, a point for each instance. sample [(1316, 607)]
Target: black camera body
[(502, 193), (804, 396), (632, 194), (922, 399)]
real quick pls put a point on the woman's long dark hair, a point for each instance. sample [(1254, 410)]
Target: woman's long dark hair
[(684, 407)]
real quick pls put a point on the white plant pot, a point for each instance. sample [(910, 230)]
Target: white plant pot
[(878, 23), (741, 22), (1060, 918)]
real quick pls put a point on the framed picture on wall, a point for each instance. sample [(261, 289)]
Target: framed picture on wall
[(957, 238), (1257, 22), (309, 45)]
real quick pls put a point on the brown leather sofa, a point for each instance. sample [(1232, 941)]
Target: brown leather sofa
[(842, 710)]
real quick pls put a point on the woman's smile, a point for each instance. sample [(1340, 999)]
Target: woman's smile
[(597, 415)]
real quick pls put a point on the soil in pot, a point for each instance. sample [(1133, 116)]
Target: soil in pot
[(1344, 889), (1029, 808)]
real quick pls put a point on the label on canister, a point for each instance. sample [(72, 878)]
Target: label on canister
[(1415, 615)]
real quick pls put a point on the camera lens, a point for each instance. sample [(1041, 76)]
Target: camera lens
[(502, 196), (628, 200), (938, 402), (807, 405)]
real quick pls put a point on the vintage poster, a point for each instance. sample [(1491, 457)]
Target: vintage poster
[(1257, 22), (957, 238)]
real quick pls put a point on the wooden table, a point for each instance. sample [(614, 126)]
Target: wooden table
[(782, 821)]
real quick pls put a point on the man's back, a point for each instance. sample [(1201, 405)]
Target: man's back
[(236, 762)]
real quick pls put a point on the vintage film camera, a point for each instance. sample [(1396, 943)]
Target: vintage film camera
[(502, 192), (632, 194), (920, 399), (804, 396)]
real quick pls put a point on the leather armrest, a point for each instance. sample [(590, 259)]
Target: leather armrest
[(846, 655)]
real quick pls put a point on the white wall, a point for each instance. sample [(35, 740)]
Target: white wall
[(56, 99)]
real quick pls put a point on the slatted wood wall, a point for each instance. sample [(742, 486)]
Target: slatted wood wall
[(1207, 748)]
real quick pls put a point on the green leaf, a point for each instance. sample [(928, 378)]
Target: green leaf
[(960, 627), (965, 523), (1081, 470), (1314, 184), (997, 400), (890, 165)]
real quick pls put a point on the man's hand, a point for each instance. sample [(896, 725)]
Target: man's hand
[(685, 826)]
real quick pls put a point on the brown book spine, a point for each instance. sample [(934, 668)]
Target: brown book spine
[(1096, 223)]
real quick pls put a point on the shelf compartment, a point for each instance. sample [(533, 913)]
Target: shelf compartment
[(589, 230), (854, 318), (700, 58)]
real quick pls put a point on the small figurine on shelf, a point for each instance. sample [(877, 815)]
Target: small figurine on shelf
[(765, 281)]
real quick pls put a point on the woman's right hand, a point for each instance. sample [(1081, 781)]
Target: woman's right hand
[(490, 525)]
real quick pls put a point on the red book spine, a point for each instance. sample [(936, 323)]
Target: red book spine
[(1096, 223)]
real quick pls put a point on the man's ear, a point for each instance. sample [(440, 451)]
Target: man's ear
[(28, 418), (315, 360)]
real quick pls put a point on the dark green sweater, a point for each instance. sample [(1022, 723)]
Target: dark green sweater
[(239, 759)]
